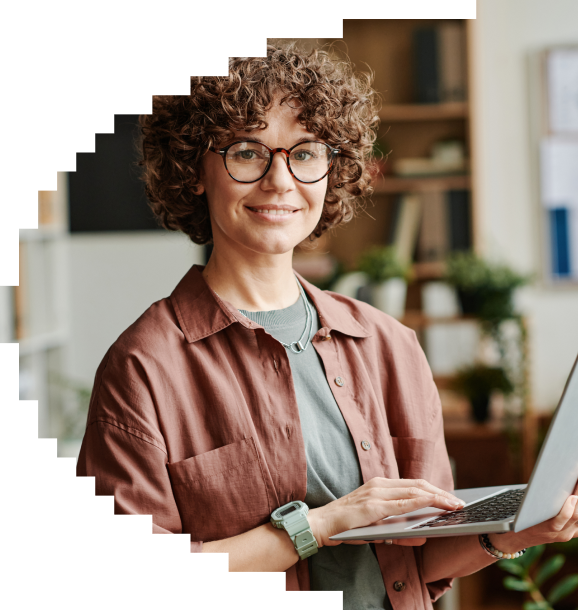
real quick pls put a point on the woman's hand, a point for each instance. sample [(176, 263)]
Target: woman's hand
[(372, 502), (561, 528)]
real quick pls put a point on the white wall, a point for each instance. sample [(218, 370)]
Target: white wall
[(506, 35), (113, 279)]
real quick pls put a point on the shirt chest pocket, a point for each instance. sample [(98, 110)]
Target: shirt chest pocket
[(414, 456), (221, 493)]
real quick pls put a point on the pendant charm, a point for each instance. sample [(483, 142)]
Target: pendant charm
[(297, 347)]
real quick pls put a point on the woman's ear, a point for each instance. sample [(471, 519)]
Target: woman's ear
[(199, 189)]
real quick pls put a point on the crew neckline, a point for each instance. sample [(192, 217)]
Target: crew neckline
[(280, 318)]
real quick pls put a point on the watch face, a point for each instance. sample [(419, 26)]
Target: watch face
[(287, 511)]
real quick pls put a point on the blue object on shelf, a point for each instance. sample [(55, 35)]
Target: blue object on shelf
[(560, 242)]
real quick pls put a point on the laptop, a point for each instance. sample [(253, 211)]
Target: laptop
[(503, 508)]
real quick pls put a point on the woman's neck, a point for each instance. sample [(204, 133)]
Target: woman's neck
[(264, 284)]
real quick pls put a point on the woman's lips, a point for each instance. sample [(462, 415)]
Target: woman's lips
[(273, 213)]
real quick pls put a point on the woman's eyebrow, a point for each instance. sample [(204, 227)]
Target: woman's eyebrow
[(251, 138)]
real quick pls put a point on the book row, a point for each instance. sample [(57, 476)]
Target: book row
[(440, 70), (427, 227)]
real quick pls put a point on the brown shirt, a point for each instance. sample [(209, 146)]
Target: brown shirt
[(193, 419)]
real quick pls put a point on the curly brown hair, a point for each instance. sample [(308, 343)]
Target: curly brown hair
[(337, 105)]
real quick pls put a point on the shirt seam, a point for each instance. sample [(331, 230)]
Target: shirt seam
[(132, 431)]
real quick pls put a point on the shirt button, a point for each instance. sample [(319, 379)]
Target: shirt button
[(398, 585), (327, 338), (366, 445), (339, 381)]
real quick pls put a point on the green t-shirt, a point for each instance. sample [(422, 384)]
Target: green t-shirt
[(332, 465)]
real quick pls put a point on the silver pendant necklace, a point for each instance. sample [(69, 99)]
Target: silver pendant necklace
[(298, 347)]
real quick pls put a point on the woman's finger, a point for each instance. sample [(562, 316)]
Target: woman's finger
[(407, 505), (415, 483), (400, 493), (410, 541), (566, 514)]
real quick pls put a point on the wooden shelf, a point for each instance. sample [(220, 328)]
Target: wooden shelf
[(433, 270), (405, 113), (393, 184)]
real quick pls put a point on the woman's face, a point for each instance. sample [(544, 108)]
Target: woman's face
[(238, 211)]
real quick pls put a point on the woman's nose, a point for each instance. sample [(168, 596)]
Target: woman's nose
[(278, 177)]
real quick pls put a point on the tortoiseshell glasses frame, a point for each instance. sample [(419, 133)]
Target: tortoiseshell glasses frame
[(332, 153)]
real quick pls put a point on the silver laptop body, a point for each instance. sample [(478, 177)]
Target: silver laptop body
[(553, 480)]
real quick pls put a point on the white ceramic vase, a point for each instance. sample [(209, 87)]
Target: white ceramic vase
[(389, 296)]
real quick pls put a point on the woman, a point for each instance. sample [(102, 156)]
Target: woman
[(250, 409)]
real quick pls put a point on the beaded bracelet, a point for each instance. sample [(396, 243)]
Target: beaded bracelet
[(491, 550)]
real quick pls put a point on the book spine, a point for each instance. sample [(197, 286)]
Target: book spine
[(433, 237), (451, 56), (459, 216), (394, 210), (426, 66), (560, 242), (407, 227)]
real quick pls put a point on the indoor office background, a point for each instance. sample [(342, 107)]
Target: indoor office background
[(479, 137)]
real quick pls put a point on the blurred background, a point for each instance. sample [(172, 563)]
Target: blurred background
[(470, 239)]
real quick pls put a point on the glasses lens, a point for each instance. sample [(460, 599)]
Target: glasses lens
[(247, 161), (310, 161)]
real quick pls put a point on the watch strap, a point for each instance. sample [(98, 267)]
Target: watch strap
[(298, 528), (304, 540)]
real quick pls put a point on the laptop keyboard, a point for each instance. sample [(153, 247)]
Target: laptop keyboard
[(496, 508)]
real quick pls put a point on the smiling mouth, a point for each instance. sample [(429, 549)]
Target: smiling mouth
[(273, 212)]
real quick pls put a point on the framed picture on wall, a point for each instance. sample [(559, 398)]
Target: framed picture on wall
[(559, 161)]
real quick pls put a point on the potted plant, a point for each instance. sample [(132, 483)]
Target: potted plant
[(388, 279), (484, 289), (528, 576), (477, 383)]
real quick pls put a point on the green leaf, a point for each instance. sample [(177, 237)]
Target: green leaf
[(512, 566), (536, 606), (515, 584), (563, 588), (531, 555), (549, 568)]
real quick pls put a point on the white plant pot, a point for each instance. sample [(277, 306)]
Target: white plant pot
[(389, 296)]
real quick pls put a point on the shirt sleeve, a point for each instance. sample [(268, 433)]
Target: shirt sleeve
[(124, 452), (132, 469)]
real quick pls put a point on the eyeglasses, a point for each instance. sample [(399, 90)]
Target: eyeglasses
[(248, 161)]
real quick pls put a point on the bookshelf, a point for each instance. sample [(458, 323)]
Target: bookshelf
[(38, 318), (387, 185), (408, 130)]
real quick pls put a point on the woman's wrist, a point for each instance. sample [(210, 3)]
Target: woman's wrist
[(509, 542), (315, 523)]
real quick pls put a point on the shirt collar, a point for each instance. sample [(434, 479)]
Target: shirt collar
[(201, 312)]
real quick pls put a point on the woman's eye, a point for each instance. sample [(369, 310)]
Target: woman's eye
[(302, 155), (246, 155)]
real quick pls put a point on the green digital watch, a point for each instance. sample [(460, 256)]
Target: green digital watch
[(292, 518)]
